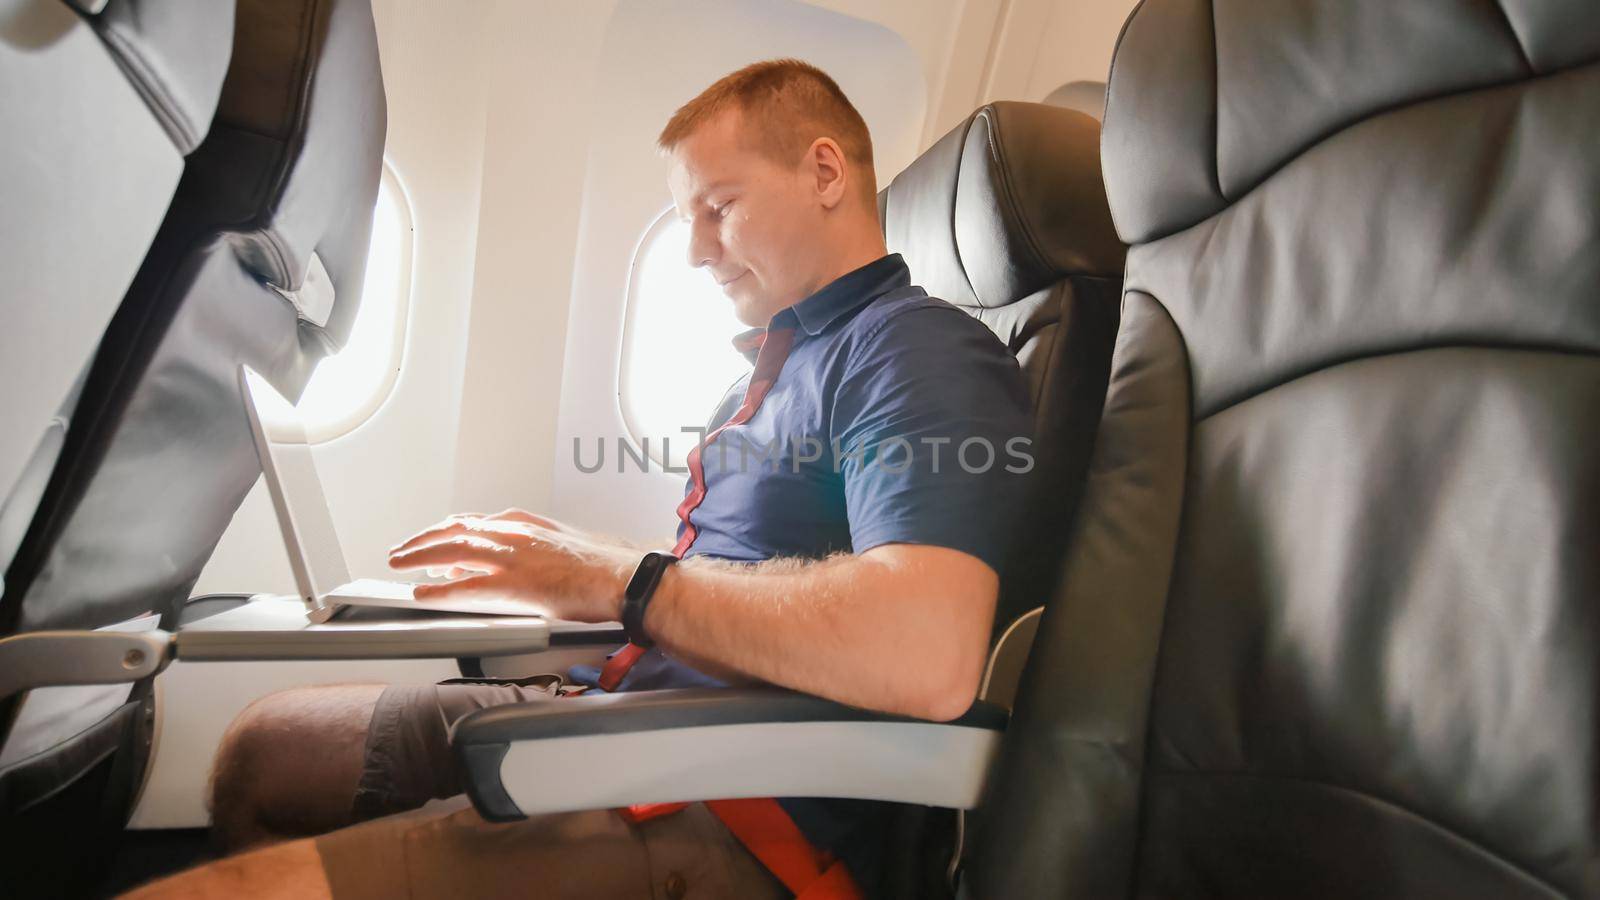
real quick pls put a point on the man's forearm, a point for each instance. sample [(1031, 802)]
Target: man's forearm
[(901, 628), (897, 629)]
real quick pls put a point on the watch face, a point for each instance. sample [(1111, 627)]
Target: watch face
[(649, 569)]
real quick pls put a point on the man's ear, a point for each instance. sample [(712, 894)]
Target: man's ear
[(828, 165)]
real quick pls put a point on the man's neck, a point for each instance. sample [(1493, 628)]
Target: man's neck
[(851, 254)]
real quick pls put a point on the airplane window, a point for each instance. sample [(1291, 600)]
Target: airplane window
[(676, 357), (348, 387)]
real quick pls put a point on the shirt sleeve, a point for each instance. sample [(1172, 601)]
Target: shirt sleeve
[(932, 434)]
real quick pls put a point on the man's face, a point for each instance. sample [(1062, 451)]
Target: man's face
[(755, 224)]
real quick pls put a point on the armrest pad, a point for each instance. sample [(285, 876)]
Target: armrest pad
[(607, 750)]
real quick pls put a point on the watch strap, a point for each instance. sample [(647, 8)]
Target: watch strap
[(637, 595)]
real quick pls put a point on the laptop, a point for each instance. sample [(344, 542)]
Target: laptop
[(315, 556)]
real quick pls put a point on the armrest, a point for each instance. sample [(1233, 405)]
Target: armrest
[(607, 750)]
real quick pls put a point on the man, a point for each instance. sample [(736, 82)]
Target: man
[(865, 572)]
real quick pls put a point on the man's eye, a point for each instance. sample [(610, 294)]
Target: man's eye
[(722, 211)]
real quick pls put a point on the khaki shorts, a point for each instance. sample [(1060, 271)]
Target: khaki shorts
[(448, 850)]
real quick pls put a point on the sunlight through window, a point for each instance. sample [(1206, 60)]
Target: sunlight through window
[(676, 357), (349, 386)]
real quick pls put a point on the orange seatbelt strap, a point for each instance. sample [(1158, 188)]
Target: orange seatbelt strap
[(761, 825), (774, 349), (764, 829), (619, 664)]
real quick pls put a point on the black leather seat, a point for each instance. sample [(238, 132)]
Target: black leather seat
[(1327, 622), (1006, 217), (259, 261)]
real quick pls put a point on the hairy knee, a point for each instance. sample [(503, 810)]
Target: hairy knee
[(293, 755), (247, 749)]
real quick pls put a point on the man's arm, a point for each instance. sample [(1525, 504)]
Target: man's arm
[(900, 628)]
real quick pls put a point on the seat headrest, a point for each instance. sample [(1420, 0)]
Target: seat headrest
[(1007, 203), (303, 108), (1221, 98)]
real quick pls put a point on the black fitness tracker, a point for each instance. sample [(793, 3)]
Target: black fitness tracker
[(636, 596)]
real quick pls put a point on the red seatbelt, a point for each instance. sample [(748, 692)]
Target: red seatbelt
[(771, 836), (619, 664), (760, 824), (774, 350)]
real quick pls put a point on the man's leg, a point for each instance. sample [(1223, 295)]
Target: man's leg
[(452, 852), (286, 870), (289, 764), (306, 761)]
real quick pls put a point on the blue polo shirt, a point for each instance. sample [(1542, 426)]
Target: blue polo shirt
[(895, 418)]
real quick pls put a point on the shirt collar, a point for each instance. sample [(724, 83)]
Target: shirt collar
[(844, 294)]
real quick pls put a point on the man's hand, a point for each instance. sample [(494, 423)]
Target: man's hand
[(557, 570)]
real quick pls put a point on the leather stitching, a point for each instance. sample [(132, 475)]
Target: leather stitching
[(304, 78), (1111, 79), (1375, 113), (1011, 207), (1216, 107), (153, 90), (1181, 516), (955, 197), (1337, 361)]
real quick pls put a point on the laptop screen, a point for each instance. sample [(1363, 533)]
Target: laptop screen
[(303, 515)]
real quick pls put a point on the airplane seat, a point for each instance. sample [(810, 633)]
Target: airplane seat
[(1326, 626), (258, 261), (107, 99), (1087, 97), (1006, 218)]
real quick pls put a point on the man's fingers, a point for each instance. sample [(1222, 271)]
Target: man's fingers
[(485, 529), (521, 515), (465, 551), (478, 587)]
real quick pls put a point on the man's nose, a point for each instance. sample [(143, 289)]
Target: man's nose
[(703, 246)]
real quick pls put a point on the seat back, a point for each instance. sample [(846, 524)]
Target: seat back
[(99, 108), (1006, 218), (1327, 626), (259, 261)]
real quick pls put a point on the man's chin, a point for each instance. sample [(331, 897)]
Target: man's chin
[(750, 311), (749, 318), (753, 309)]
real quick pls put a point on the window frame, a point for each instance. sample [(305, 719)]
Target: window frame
[(667, 219), (327, 430)]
